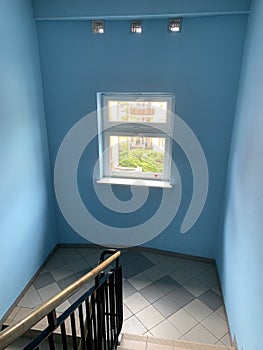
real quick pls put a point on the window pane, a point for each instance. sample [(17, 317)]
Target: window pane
[(137, 154), (138, 111)]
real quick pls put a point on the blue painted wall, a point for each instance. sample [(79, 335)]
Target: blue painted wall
[(68, 8), (201, 65), (27, 231), (240, 258)]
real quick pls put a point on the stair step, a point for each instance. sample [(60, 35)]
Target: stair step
[(140, 342)]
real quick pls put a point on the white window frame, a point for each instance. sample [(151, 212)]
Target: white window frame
[(108, 128)]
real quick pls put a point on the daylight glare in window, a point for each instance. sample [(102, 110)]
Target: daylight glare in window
[(137, 154), (136, 135), (137, 111)]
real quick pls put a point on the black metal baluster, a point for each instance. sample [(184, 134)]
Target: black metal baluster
[(119, 297), (116, 304), (82, 333), (112, 305), (52, 320), (104, 316), (74, 332), (107, 316), (64, 336), (99, 321), (95, 322), (89, 338), (102, 311), (105, 321), (51, 342)]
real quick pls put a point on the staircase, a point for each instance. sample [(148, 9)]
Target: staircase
[(94, 320), (139, 342)]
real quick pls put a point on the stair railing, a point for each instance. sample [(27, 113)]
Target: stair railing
[(92, 322)]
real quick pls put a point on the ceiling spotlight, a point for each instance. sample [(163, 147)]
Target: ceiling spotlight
[(175, 25), (136, 27), (98, 27)]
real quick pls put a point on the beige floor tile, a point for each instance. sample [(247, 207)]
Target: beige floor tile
[(226, 340), (134, 326), (182, 321), (165, 330), (12, 317), (154, 273), (201, 335), (150, 317), (30, 300), (216, 325), (198, 310), (136, 302), (221, 312), (49, 291), (140, 281), (22, 313), (195, 287)]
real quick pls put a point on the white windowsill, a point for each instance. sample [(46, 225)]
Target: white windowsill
[(134, 182)]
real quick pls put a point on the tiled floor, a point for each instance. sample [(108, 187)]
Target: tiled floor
[(164, 296)]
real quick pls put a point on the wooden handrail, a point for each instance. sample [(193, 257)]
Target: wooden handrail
[(16, 330)]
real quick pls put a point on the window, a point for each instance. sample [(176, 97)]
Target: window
[(135, 135)]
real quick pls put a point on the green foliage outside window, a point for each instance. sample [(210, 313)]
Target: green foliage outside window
[(149, 160)]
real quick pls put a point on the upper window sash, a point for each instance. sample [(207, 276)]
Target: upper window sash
[(111, 115)]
